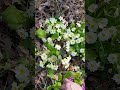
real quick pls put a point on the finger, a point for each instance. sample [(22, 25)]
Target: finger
[(66, 80), (63, 87)]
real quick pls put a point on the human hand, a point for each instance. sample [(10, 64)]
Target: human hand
[(69, 85)]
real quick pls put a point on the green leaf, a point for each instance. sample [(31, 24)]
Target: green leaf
[(52, 49), (14, 17), (59, 77), (68, 74), (91, 54), (28, 44), (55, 36), (40, 33), (72, 25)]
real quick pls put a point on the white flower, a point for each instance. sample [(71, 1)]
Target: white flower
[(77, 68), (47, 21), (53, 20), (116, 77), (43, 56), (88, 19), (91, 37), (53, 67), (58, 47), (103, 35), (22, 33), (78, 24), (53, 58), (66, 60), (77, 35), (66, 65), (63, 26), (67, 47), (73, 53), (72, 41), (57, 26), (50, 41), (59, 38), (93, 26), (93, 66), (102, 22), (73, 29), (82, 50), (59, 30), (78, 40), (41, 64), (53, 31), (21, 73), (44, 39), (112, 30), (112, 58), (83, 59), (92, 8), (61, 18), (66, 35), (49, 28)]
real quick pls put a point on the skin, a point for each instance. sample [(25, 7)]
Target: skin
[(69, 85)]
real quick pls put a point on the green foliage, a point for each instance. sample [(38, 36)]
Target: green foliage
[(14, 17)]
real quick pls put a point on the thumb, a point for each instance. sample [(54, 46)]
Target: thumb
[(66, 81)]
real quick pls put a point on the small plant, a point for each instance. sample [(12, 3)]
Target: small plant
[(63, 44)]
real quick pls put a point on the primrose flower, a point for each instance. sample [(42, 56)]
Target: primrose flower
[(88, 19), (57, 26), (116, 77), (61, 18), (22, 33), (72, 41), (82, 50), (66, 35), (92, 8), (112, 30), (66, 60), (53, 20), (73, 53), (21, 73), (103, 35), (41, 64), (76, 68), (93, 66), (78, 40), (43, 56), (78, 24), (66, 65), (59, 30), (112, 58), (73, 29), (93, 26), (53, 67), (102, 22), (91, 37), (58, 47), (59, 38)]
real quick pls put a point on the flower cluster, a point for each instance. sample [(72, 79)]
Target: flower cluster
[(101, 40), (61, 42)]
